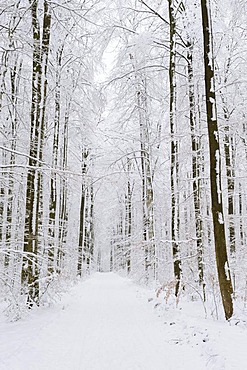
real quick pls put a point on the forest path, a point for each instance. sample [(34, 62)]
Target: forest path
[(104, 325)]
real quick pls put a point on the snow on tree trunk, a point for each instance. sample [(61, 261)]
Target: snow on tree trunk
[(174, 151), (30, 265), (215, 176), (196, 149)]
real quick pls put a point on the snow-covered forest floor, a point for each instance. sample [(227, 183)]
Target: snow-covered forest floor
[(109, 323)]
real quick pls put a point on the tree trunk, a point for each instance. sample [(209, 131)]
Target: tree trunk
[(81, 232), (30, 267), (63, 200), (81, 246), (241, 223), (174, 151), (147, 182), (196, 148), (91, 226), (53, 204), (128, 218), (223, 269)]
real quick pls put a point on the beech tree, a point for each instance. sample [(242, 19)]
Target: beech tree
[(223, 269), (41, 38), (83, 208), (128, 215), (174, 149)]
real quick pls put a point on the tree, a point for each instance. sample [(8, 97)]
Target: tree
[(82, 241), (41, 39), (223, 269), (54, 196), (196, 147), (174, 150), (128, 215)]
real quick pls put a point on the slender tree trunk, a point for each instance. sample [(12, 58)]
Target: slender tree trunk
[(63, 200), (91, 226), (174, 151), (81, 232), (128, 217), (241, 226), (53, 205), (223, 269), (111, 258), (30, 267), (146, 174), (147, 182), (45, 44), (81, 246), (230, 174), (229, 149), (86, 245), (196, 148), (14, 80)]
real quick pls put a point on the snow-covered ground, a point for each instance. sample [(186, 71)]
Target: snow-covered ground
[(109, 323)]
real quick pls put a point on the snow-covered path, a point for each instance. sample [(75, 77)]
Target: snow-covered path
[(103, 326)]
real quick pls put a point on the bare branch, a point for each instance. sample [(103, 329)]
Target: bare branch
[(154, 12)]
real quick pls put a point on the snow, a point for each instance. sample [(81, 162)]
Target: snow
[(227, 270), (218, 178), (213, 102), (220, 218), (109, 323)]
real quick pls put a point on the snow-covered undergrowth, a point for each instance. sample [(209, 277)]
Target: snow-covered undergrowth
[(191, 322), (13, 301)]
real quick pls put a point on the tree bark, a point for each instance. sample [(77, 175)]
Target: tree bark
[(53, 204), (81, 246), (147, 182), (196, 149), (128, 217), (174, 151), (223, 269), (63, 199), (30, 266)]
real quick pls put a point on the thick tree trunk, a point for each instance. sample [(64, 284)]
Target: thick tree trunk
[(223, 269)]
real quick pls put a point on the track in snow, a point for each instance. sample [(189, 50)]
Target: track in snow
[(104, 326)]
